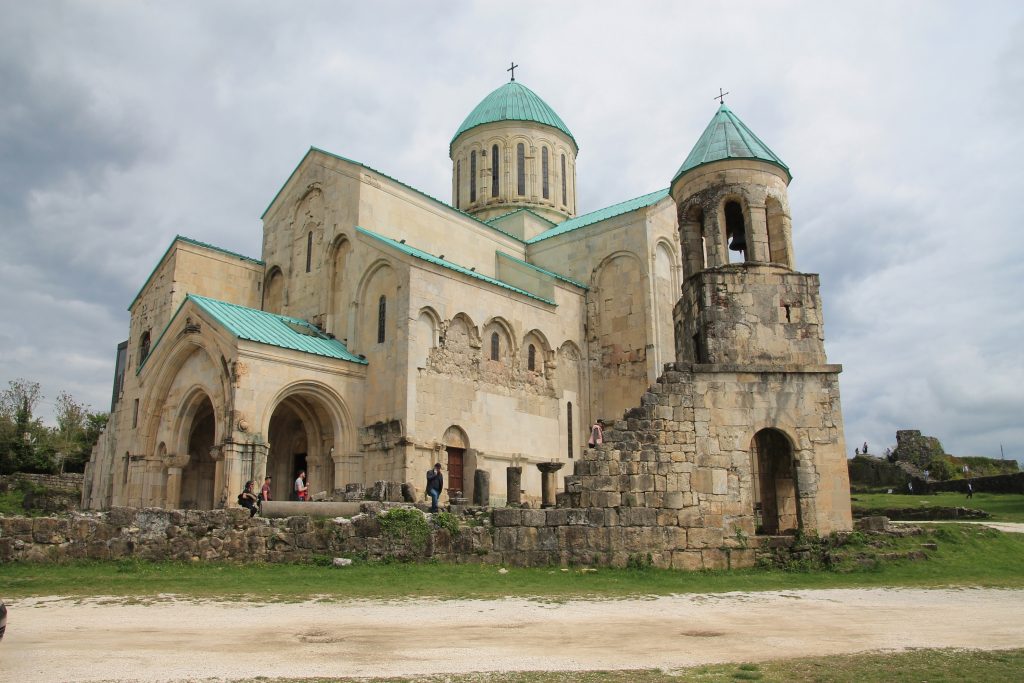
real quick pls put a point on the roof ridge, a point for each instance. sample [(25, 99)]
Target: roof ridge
[(522, 208), (195, 242), (450, 265), (360, 164), (602, 214)]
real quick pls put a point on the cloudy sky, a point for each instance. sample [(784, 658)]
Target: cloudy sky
[(125, 123)]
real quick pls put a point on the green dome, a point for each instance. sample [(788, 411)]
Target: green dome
[(513, 102), (726, 137)]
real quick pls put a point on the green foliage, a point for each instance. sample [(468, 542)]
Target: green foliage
[(448, 521), (27, 445), (941, 469), (407, 526), (639, 561)]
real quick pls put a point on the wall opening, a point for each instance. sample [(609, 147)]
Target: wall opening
[(735, 232), (775, 486), (521, 169), (494, 171), (197, 477)]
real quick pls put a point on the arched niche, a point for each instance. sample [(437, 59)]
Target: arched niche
[(774, 482)]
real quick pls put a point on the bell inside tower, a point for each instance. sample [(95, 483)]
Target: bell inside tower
[(734, 231)]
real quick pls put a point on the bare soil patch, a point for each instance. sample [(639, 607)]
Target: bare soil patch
[(111, 639)]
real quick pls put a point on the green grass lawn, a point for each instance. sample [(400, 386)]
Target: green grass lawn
[(1004, 507), (967, 555), (914, 666)]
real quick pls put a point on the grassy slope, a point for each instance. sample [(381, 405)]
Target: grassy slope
[(966, 555), (1004, 507), (934, 666)]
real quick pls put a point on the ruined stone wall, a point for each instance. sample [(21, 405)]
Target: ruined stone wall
[(514, 537), (750, 314)]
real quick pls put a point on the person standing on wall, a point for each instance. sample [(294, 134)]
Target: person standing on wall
[(435, 484), (596, 434)]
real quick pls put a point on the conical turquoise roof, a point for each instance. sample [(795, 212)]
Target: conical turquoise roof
[(513, 102), (726, 137)]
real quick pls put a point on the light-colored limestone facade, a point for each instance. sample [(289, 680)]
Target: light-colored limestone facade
[(383, 330)]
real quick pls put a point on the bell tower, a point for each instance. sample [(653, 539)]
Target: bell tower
[(749, 338)]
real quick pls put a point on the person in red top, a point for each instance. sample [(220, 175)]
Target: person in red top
[(265, 491)]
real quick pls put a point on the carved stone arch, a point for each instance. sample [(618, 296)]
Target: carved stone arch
[(309, 206), (775, 484), (544, 357), (274, 297), (379, 279), (727, 223), (167, 363), (307, 425), (507, 338), (339, 255), (461, 325), (426, 332)]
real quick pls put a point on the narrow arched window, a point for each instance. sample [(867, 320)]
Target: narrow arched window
[(565, 197), (458, 181), (144, 347), (495, 346), (382, 314), (569, 428), (494, 171), (309, 251), (472, 176), (521, 168), (544, 172), (531, 358)]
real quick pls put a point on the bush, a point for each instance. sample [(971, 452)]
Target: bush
[(407, 526), (446, 520)]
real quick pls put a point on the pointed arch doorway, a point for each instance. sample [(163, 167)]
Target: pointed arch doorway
[(199, 474), (775, 485)]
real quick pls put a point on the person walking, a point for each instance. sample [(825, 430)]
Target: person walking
[(435, 484), (970, 490)]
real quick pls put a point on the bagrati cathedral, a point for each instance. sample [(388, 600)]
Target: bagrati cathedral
[(383, 330)]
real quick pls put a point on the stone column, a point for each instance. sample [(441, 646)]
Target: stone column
[(514, 484), (548, 483), (481, 487), (219, 478), (172, 501)]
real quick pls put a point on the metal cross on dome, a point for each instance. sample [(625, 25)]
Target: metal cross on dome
[(513, 70), (720, 96)]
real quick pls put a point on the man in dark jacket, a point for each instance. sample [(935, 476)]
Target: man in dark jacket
[(435, 484)]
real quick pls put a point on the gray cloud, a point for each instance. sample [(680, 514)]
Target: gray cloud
[(124, 124)]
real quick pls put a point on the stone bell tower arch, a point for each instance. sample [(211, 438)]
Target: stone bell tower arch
[(751, 326)]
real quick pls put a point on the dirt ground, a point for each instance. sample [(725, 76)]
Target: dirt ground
[(55, 639)]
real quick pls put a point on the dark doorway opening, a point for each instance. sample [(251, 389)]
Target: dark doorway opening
[(776, 491), (298, 465)]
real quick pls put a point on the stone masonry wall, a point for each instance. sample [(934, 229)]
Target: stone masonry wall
[(515, 537)]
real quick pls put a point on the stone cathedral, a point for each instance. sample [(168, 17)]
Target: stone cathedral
[(382, 330)]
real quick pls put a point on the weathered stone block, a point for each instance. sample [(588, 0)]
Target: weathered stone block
[(507, 517), (534, 518), (557, 517)]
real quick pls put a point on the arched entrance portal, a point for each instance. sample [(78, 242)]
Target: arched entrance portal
[(302, 437), (776, 491), (197, 477), (456, 445)]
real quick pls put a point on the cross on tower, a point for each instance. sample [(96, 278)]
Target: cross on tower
[(720, 96), (513, 70)]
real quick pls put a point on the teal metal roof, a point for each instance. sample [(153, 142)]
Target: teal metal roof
[(383, 175), (438, 261), (601, 214), (513, 102), (274, 330), (188, 240), (545, 271), (514, 212), (726, 137)]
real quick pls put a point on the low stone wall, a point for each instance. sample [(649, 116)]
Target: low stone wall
[(67, 483), (1001, 483), (510, 536), (921, 514)]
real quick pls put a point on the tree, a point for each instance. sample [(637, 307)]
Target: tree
[(20, 393)]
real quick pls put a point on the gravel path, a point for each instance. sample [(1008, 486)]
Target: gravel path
[(55, 639)]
